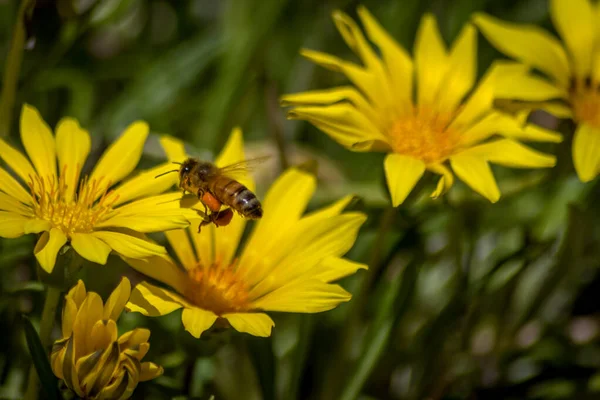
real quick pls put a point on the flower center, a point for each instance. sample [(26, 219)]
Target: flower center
[(78, 213), (585, 100), (424, 135), (217, 288)]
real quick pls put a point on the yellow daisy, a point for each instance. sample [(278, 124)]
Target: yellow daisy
[(572, 71), (85, 212), (448, 120), (286, 265), (90, 358)]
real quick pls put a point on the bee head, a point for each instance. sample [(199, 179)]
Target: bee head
[(186, 167)]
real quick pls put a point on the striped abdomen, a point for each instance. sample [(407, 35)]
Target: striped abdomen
[(237, 196)]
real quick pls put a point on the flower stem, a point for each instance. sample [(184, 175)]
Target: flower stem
[(13, 68), (46, 325)]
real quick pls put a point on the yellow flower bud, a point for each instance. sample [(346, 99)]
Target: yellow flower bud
[(90, 358)]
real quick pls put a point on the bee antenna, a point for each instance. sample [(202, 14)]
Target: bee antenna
[(164, 173), (175, 162)]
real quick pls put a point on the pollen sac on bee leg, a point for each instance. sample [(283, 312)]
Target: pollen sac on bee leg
[(211, 202), (220, 218)]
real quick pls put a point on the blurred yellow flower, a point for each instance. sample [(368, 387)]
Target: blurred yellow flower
[(287, 263), (443, 123), (89, 358), (84, 211), (572, 69)]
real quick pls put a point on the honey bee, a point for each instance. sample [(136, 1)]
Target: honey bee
[(216, 186)]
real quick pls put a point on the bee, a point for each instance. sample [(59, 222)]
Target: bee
[(216, 186)]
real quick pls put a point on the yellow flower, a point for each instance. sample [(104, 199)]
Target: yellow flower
[(450, 120), (89, 358), (83, 211), (287, 263), (572, 71)]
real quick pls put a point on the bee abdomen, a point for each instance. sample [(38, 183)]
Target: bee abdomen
[(241, 199), (247, 204)]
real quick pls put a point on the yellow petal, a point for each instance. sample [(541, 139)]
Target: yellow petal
[(180, 241), (146, 183), (162, 269), (431, 60), (345, 137), (129, 246), (511, 154), (69, 312), (38, 141), (122, 156), (117, 300), (11, 187), (462, 70), (331, 96), (298, 253), (351, 127), (527, 88), (446, 180), (366, 81), (150, 371), (402, 174), (576, 23), (37, 226), (284, 203), (527, 43), (152, 301), (47, 248), (78, 293), (196, 320), (398, 62), (72, 146), (17, 162), (507, 126), (380, 87), (12, 225), (586, 152), (173, 147), (476, 173), (9, 203), (90, 247), (256, 324), (303, 297), (479, 102), (333, 268), (88, 314)]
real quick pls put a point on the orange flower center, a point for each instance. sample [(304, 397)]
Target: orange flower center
[(71, 214), (585, 100), (424, 135), (217, 288)]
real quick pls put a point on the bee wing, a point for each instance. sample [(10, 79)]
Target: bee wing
[(242, 167)]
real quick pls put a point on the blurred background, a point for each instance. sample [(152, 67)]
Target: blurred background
[(463, 300)]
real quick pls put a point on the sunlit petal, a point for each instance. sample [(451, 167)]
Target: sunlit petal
[(38, 141), (11, 187), (476, 173), (146, 183), (128, 245), (72, 146), (90, 247), (256, 324), (117, 300), (173, 147), (402, 174), (586, 152), (431, 60), (17, 162), (512, 154), (528, 43), (196, 320), (122, 156), (13, 224), (163, 269), (152, 301), (445, 182), (47, 248), (303, 296)]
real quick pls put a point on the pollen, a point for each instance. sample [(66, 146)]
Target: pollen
[(424, 135), (217, 288), (585, 100), (71, 214)]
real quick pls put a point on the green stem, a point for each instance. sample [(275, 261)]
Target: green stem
[(13, 68), (46, 325)]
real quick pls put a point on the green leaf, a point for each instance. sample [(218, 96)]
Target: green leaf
[(40, 360), (29, 286)]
